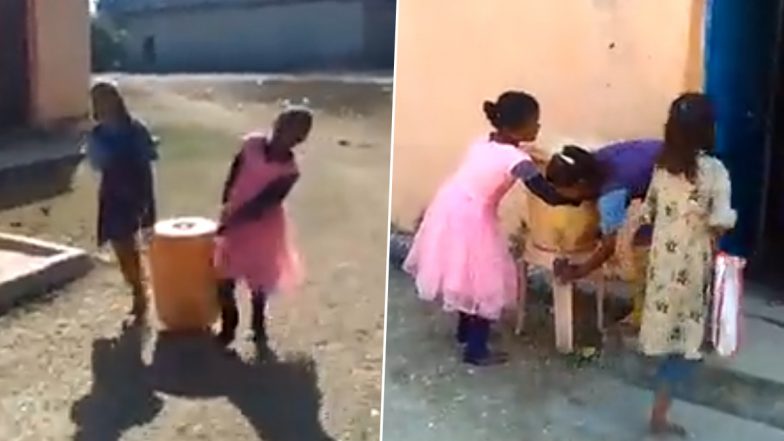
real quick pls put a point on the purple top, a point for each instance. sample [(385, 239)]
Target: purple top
[(628, 170), (629, 165)]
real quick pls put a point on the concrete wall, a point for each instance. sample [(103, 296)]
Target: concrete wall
[(60, 59), (379, 33), (602, 70), (268, 37)]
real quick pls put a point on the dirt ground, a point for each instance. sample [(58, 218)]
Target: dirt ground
[(70, 370)]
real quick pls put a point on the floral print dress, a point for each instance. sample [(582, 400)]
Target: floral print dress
[(680, 269)]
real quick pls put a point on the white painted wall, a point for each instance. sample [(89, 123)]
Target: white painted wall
[(269, 37)]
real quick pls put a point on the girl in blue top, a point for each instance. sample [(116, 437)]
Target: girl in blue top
[(122, 150)]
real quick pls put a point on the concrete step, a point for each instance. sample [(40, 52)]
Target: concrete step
[(618, 410), (715, 385), (30, 268), (36, 166), (751, 386)]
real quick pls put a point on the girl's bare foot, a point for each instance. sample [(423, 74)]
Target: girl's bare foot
[(666, 429)]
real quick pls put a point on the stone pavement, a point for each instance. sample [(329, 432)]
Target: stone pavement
[(748, 388), (429, 395), (761, 354), (749, 385)]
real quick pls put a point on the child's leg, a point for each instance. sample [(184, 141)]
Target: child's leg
[(129, 259), (259, 319), (477, 334), (661, 408), (230, 315), (462, 327), (477, 350), (672, 371)]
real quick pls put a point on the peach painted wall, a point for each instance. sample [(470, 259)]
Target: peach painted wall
[(601, 69), (60, 59)]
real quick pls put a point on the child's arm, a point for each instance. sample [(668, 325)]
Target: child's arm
[(96, 154), (612, 212), (273, 194), (236, 164), (527, 172), (148, 143), (721, 217), (651, 203)]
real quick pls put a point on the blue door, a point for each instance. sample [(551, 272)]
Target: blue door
[(740, 61)]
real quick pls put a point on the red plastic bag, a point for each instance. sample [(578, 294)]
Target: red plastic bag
[(727, 302)]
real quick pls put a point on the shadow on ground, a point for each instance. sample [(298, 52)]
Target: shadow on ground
[(279, 398)]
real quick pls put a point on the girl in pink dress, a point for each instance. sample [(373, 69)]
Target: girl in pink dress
[(254, 242), (459, 252)]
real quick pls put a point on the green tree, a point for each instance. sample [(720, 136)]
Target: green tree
[(108, 48)]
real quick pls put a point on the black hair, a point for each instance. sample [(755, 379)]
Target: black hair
[(299, 118), (110, 90), (689, 131), (511, 110), (573, 165), (295, 114)]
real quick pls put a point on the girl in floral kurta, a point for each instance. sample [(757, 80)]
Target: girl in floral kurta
[(689, 205)]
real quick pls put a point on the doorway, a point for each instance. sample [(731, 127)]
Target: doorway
[(14, 64), (772, 223), (150, 51), (745, 78), (741, 39)]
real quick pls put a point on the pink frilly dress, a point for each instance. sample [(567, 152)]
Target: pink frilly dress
[(261, 252), (460, 253)]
